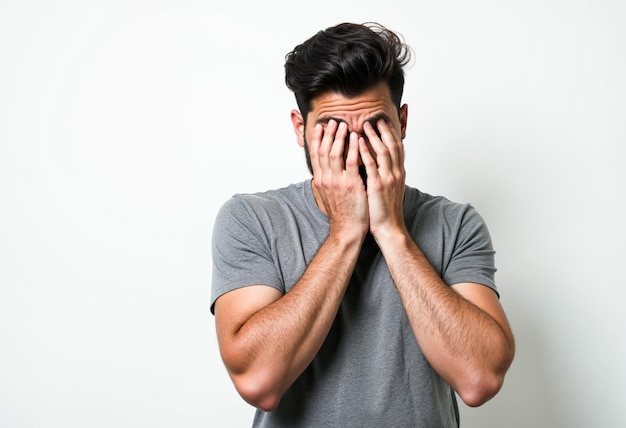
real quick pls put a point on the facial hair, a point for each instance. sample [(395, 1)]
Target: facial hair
[(363, 175)]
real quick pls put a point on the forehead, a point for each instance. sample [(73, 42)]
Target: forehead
[(375, 102)]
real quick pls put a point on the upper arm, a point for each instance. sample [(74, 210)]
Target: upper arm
[(235, 307)]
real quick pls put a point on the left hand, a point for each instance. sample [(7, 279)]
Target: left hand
[(385, 177)]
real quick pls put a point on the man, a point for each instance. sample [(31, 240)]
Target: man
[(351, 299)]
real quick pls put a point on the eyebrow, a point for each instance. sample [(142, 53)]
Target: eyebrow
[(372, 120)]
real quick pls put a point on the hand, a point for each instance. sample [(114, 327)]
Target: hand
[(385, 177), (337, 184)]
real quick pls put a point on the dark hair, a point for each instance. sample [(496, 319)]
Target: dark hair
[(348, 59)]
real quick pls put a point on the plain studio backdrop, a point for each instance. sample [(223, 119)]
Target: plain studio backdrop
[(124, 125)]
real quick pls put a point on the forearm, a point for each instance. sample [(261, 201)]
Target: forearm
[(468, 347), (274, 346)]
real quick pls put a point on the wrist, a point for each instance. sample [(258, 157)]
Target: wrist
[(392, 237), (347, 235)]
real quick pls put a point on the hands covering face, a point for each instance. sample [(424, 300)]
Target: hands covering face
[(336, 155)]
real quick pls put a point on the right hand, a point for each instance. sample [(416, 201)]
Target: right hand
[(338, 187)]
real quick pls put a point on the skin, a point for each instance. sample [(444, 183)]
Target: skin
[(267, 339)]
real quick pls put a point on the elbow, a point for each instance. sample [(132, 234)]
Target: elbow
[(257, 392), (482, 385), (256, 387), (481, 389)]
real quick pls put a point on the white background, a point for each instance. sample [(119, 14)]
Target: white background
[(124, 125)]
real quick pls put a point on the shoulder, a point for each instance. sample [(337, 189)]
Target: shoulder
[(420, 202), (430, 213), (270, 211), (265, 201)]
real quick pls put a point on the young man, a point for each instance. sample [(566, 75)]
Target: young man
[(351, 299)]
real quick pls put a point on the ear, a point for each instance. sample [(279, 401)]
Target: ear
[(298, 126), (404, 114)]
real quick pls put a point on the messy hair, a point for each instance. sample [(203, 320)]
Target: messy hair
[(348, 59)]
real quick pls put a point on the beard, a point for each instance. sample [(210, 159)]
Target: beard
[(363, 175)]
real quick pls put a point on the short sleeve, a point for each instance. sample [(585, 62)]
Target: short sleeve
[(473, 256), (241, 252)]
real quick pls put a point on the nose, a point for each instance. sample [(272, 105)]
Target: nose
[(358, 128)]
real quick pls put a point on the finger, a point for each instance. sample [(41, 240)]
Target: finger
[(390, 151), (383, 158), (368, 160), (352, 157), (326, 143), (392, 140), (314, 148), (338, 147)]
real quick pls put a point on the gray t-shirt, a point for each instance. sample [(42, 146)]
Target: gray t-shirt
[(370, 371)]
